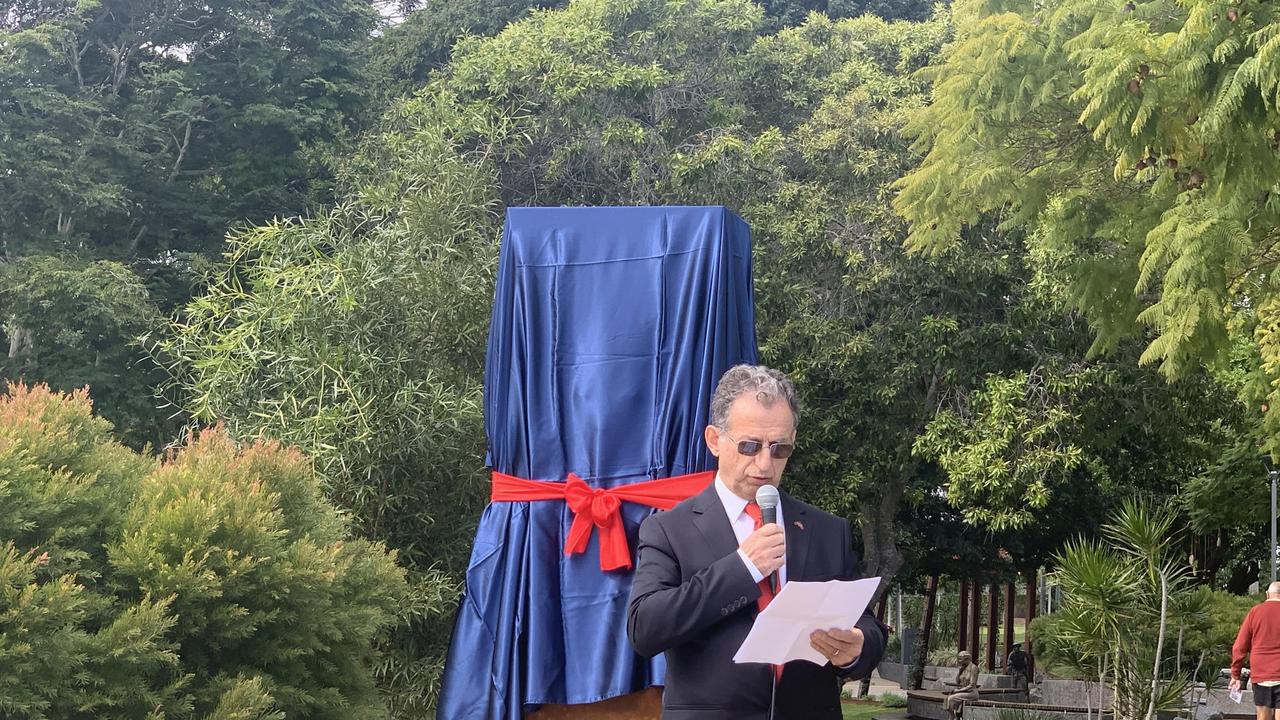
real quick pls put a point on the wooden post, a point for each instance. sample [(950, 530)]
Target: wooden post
[(963, 642), (993, 624), (926, 629), (975, 618), (1031, 615), (1010, 597)]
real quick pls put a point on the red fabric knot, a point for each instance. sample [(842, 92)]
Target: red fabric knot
[(596, 507), (599, 508)]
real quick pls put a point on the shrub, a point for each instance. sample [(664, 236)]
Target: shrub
[(893, 700), (215, 584)]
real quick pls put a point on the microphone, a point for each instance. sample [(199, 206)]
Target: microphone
[(767, 499)]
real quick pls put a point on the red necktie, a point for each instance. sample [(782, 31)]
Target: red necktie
[(766, 589)]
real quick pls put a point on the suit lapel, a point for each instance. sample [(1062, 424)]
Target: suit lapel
[(712, 522), (798, 536)]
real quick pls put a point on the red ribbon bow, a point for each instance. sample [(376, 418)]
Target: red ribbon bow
[(599, 507)]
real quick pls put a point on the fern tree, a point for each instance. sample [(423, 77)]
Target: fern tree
[(1138, 145)]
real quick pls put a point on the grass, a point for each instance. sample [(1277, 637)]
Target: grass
[(864, 709)]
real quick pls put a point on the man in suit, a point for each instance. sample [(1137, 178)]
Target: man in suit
[(704, 566)]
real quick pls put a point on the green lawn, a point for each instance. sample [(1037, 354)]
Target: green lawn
[(862, 710)]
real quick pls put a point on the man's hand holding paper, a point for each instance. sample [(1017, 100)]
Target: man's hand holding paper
[(806, 620), (841, 647)]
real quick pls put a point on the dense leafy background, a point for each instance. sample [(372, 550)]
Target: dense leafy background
[(1017, 256)]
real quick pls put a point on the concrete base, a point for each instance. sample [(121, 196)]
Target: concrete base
[(929, 704), (980, 710)]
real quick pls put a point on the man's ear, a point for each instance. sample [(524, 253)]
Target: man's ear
[(712, 437)]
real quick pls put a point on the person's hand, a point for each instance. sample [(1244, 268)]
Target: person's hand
[(1234, 685), (766, 548), (841, 647)]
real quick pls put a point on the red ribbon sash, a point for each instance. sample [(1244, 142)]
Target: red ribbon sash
[(597, 507)]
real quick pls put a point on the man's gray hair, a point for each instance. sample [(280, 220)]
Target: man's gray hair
[(767, 384)]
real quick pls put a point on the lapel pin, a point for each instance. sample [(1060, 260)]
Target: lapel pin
[(798, 524)]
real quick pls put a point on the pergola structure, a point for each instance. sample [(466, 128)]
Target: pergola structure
[(970, 618)]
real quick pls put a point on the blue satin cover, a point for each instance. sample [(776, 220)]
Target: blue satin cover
[(610, 328)]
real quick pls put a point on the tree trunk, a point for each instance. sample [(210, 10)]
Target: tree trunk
[(1155, 670), (975, 617), (926, 629), (1032, 602), (881, 556), (963, 643), (21, 341), (1010, 598), (993, 624)]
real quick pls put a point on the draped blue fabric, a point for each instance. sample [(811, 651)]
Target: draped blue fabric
[(610, 328)]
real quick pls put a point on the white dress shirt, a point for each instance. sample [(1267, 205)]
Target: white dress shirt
[(743, 525)]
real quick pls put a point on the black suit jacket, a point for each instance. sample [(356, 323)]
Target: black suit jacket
[(694, 599)]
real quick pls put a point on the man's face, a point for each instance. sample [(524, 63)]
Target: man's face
[(749, 419)]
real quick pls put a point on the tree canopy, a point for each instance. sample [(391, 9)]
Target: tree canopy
[(1136, 145)]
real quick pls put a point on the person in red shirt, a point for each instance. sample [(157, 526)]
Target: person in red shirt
[(1259, 638)]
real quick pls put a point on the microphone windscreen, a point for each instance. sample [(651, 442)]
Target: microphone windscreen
[(767, 499)]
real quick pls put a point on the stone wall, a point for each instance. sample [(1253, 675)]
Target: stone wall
[(936, 677), (1071, 693)]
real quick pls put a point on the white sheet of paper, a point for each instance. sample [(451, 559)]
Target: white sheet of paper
[(781, 632)]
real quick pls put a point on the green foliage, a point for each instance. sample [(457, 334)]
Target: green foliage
[(1126, 598), (1001, 462), (1073, 432), (218, 584), (893, 700), (359, 337), (1204, 638), (1136, 144), (401, 59), (788, 13), (77, 323), (132, 134), (652, 102)]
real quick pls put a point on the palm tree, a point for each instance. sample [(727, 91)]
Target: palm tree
[(1123, 593)]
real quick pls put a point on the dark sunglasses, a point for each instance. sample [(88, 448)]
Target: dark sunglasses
[(777, 450)]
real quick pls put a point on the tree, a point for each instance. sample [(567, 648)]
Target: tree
[(359, 337), (216, 584), (301, 334), (641, 104), (81, 321), (608, 102), (1117, 615), (137, 132), (1136, 145), (401, 59), (1010, 447), (789, 13)]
